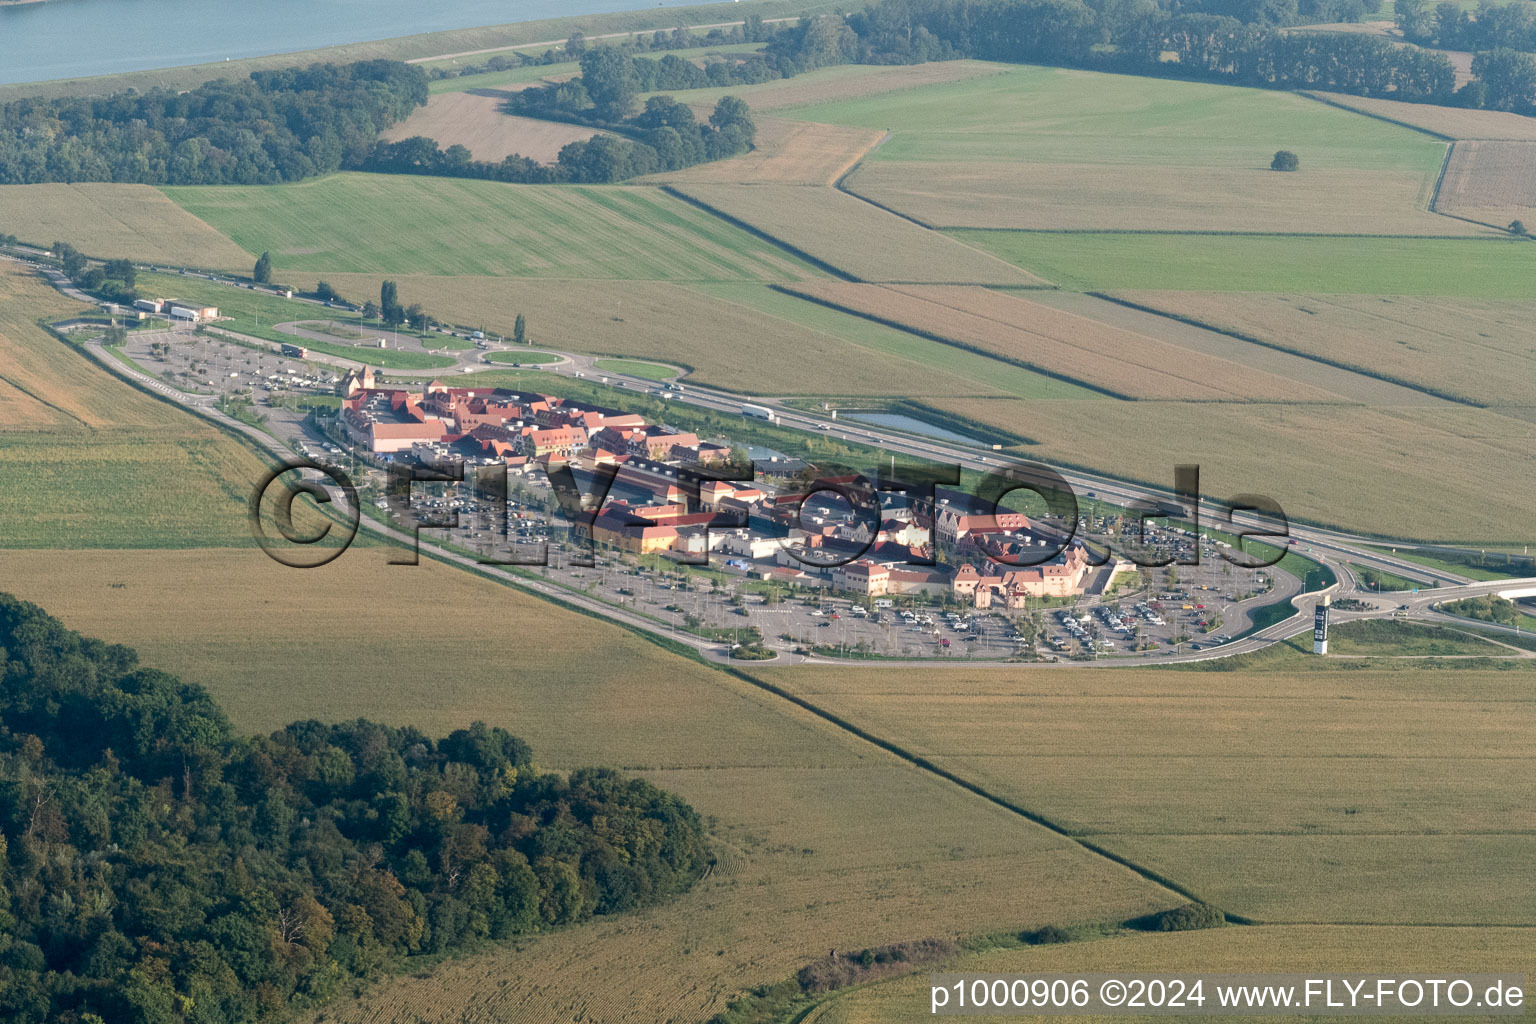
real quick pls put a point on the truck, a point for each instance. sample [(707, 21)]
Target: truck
[(759, 412), (296, 351)]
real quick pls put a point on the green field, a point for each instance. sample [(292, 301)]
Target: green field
[(1054, 115), (386, 223), (1477, 268), (635, 368), (1049, 148)]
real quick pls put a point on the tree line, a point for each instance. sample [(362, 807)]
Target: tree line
[(274, 126), (157, 867), (751, 30), (1506, 26), (1211, 40)]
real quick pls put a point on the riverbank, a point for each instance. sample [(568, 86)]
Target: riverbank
[(423, 47)]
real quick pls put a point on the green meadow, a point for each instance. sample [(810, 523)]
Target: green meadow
[(402, 224), (1053, 115), (1334, 264)]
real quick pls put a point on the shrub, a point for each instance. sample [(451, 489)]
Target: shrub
[(1048, 936), (1517, 227), (838, 971), (1285, 160), (1193, 917)]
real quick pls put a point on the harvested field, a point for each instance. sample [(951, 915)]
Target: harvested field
[(1376, 471), (859, 240), (719, 335), (1352, 385), (888, 343), (1405, 951), (36, 389), (816, 834), (86, 459), (107, 220), (844, 81), (400, 224), (475, 120), (1047, 148), (1479, 352), (1451, 122), (786, 153), (1064, 344), (1265, 793), (1491, 182)]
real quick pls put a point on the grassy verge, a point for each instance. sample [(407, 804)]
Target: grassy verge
[(257, 313), (1475, 565), (1381, 580), (636, 368), (1392, 638), (1491, 609), (526, 358)]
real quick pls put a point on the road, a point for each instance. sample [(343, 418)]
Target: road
[(1331, 547)]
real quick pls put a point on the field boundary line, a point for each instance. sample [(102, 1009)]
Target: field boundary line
[(940, 339), (852, 165), (1423, 389), (841, 185), (39, 398), (1325, 101), (946, 229), (923, 763), (793, 250), (1445, 167)]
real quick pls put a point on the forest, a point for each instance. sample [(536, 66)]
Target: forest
[(157, 867), (1197, 40), (274, 126)]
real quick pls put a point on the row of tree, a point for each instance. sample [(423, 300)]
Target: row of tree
[(752, 30), (156, 867), (274, 126), (113, 280), (1494, 26), (1169, 39)]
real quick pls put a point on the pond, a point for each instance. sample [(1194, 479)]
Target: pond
[(912, 425)]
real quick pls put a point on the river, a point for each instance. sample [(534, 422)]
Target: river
[(78, 38)]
